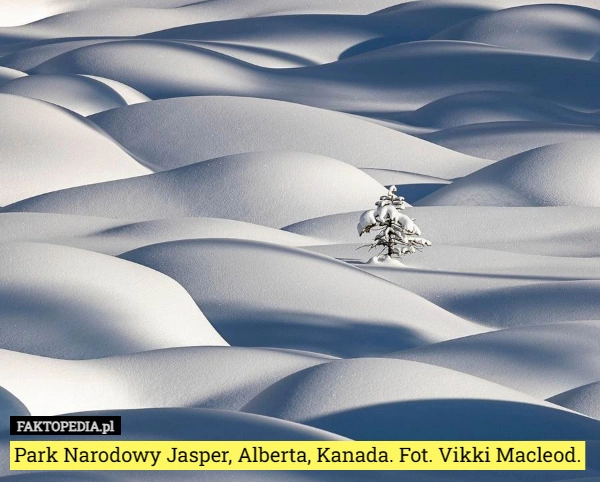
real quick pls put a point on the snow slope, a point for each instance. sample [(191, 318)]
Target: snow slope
[(558, 30), (582, 399), (201, 190), (79, 94), (177, 132), (115, 236), (180, 184), (551, 231), (228, 279), (498, 140), (51, 149), (208, 377), (67, 303), (370, 398), (539, 360), (555, 175)]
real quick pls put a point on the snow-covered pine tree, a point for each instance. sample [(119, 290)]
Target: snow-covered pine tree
[(397, 234)]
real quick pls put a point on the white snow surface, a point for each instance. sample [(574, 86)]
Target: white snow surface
[(180, 187), (68, 303)]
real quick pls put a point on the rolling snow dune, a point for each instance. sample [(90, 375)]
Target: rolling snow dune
[(177, 132), (68, 303), (129, 95), (492, 288), (206, 377), (532, 304), (45, 148), (412, 186), (539, 360), (207, 72), (283, 185), (168, 11), (38, 52), (7, 74), (255, 294), (180, 187), (560, 174), (115, 236), (343, 385), (561, 30), (584, 399), (498, 140), (301, 36), (371, 398), (493, 106), (550, 231), (408, 76), (79, 94), (391, 79)]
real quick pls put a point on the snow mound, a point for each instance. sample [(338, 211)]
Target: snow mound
[(561, 174), (373, 399), (303, 40), (40, 51), (134, 17), (8, 74), (112, 236), (283, 190), (492, 106), (53, 149), (205, 377), (399, 77), (343, 385), (154, 68), (584, 399), (377, 83), (258, 294), (558, 30), (539, 360), (129, 95), (79, 94), (530, 304), (498, 140), (68, 303), (10, 406), (171, 133), (462, 280), (544, 231)]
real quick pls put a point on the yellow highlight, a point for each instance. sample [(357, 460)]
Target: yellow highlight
[(401, 455)]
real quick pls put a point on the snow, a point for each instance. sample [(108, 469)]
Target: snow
[(76, 93), (116, 236), (175, 193), (558, 30), (370, 398), (539, 360), (545, 176), (499, 140), (582, 399), (170, 133), (180, 188), (228, 280), (67, 303), (53, 149), (219, 377)]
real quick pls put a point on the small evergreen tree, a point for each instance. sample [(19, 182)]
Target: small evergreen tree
[(397, 234)]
